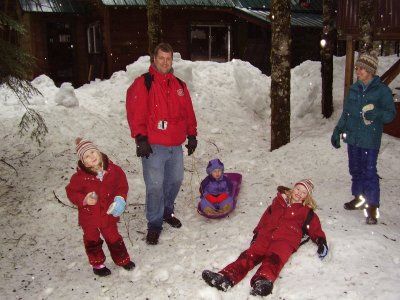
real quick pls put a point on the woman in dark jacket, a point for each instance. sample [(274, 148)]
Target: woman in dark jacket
[(368, 106)]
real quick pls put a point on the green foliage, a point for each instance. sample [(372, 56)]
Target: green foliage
[(15, 65), (13, 61), (7, 22)]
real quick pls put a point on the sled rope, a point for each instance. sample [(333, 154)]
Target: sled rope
[(194, 172)]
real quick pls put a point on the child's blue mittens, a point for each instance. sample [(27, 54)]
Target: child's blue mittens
[(117, 207), (322, 248)]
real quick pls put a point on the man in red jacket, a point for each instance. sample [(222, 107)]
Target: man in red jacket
[(161, 117)]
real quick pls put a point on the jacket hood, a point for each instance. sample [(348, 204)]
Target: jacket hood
[(376, 80), (213, 165)]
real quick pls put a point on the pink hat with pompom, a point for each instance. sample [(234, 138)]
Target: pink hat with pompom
[(82, 146), (308, 184)]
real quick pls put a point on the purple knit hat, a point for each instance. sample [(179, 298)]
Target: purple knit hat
[(213, 165)]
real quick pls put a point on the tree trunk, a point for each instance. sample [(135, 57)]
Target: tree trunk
[(280, 73), (328, 35), (366, 24), (154, 28)]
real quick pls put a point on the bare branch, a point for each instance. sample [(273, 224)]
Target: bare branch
[(62, 203), (11, 166)]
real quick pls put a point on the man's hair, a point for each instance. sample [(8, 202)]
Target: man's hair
[(164, 47)]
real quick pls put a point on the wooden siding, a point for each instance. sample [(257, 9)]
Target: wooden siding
[(124, 38), (387, 19), (128, 28), (36, 42)]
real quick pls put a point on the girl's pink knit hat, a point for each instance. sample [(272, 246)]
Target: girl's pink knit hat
[(308, 184), (82, 146)]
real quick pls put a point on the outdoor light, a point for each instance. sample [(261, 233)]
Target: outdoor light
[(323, 43)]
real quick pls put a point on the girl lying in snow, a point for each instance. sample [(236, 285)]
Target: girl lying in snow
[(277, 235)]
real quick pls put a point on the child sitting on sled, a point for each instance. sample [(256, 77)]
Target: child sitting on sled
[(277, 235), (216, 191)]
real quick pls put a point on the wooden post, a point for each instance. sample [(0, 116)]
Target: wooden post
[(107, 42), (348, 75), (90, 73)]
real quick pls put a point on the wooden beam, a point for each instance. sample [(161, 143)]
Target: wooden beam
[(392, 73), (107, 42), (348, 75)]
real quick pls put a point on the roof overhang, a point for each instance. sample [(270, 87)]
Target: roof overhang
[(52, 6), (298, 19)]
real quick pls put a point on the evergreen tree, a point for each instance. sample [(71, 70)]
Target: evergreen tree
[(14, 67), (366, 24)]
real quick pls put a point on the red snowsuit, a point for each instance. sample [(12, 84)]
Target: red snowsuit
[(277, 235), (166, 101), (94, 219)]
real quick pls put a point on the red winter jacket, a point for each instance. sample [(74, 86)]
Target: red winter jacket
[(166, 101), (283, 222), (84, 181)]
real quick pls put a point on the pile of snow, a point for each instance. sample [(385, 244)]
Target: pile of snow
[(42, 255)]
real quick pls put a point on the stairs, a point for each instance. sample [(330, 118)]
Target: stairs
[(393, 128)]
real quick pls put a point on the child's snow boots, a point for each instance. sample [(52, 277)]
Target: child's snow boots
[(217, 280), (262, 287)]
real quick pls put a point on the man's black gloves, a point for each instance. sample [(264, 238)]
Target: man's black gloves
[(191, 145), (143, 148)]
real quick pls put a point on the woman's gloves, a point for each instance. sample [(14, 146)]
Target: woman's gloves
[(335, 138), (322, 248), (117, 207), (373, 115)]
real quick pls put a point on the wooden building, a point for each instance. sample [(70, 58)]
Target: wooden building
[(79, 40)]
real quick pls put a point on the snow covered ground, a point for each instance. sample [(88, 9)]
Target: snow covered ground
[(42, 255)]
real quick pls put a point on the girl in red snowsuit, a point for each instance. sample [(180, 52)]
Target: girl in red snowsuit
[(99, 189), (277, 235)]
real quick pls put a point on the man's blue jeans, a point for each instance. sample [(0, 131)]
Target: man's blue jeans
[(364, 176), (163, 176)]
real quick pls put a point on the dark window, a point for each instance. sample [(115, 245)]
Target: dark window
[(94, 38), (210, 42)]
